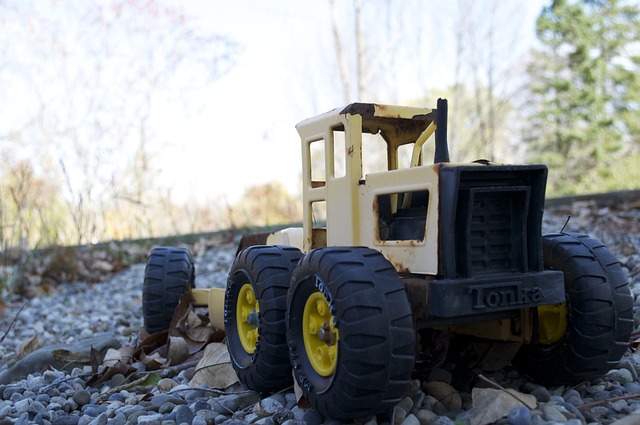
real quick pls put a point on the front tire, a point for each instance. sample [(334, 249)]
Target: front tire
[(169, 273), (350, 332), (255, 306), (598, 314)]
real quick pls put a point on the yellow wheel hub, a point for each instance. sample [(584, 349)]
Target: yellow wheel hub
[(247, 309), (552, 323), (320, 335)]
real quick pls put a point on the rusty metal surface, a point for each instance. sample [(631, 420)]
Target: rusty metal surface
[(251, 239)]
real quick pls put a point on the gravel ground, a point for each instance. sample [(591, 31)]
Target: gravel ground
[(112, 311)]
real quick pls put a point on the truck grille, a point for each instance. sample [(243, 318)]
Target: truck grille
[(490, 225), (491, 220)]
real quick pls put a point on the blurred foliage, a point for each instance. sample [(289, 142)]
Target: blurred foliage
[(585, 86), (267, 204)]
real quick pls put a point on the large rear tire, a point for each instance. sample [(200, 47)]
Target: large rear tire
[(350, 332), (596, 321), (255, 306), (168, 275)]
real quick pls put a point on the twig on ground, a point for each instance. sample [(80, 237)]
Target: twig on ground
[(13, 322), (607, 400)]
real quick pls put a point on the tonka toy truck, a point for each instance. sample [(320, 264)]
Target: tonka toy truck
[(395, 254)]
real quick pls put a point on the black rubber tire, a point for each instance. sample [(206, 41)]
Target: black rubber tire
[(599, 314), (268, 269), (376, 342), (168, 275)]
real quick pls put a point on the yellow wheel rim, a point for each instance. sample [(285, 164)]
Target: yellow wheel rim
[(247, 309), (552, 323), (320, 335)]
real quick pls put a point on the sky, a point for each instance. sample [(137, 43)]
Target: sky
[(240, 131), (245, 134)]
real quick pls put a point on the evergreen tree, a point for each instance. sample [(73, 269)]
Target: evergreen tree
[(585, 84)]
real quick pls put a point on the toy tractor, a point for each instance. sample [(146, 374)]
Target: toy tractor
[(390, 259)]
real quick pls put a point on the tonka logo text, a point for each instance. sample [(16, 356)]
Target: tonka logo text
[(504, 295)]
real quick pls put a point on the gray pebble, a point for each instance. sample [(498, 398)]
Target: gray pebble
[(117, 380), (442, 420), (150, 419), (200, 404), (16, 397), (66, 420), (160, 399), (36, 407), (553, 414), (82, 397), (118, 419), (199, 420), (541, 394), (102, 419), (134, 416), (93, 409), (632, 388), (311, 417), (208, 415), (291, 400), (265, 421), (411, 419), (23, 419), (166, 408), (220, 419), (519, 416), (572, 396), (183, 414), (623, 376), (22, 405)]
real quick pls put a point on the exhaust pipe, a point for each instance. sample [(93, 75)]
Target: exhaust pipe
[(442, 148)]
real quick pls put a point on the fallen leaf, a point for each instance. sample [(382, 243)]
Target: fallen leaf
[(108, 373), (200, 334), (146, 382), (153, 361), (69, 356), (177, 350), (126, 353), (301, 400), (95, 359), (214, 370), (29, 346), (111, 357), (492, 404)]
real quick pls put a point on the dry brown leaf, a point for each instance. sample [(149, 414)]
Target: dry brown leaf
[(69, 356), (111, 357), (108, 373), (200, 334), (29, 346), (193, 320), (153, 361), (126, 354), (214, 370), (177, 350), (95, 359), (302, 401), (492, 404)]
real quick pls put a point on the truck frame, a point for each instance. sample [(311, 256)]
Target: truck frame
[(387, 261)]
